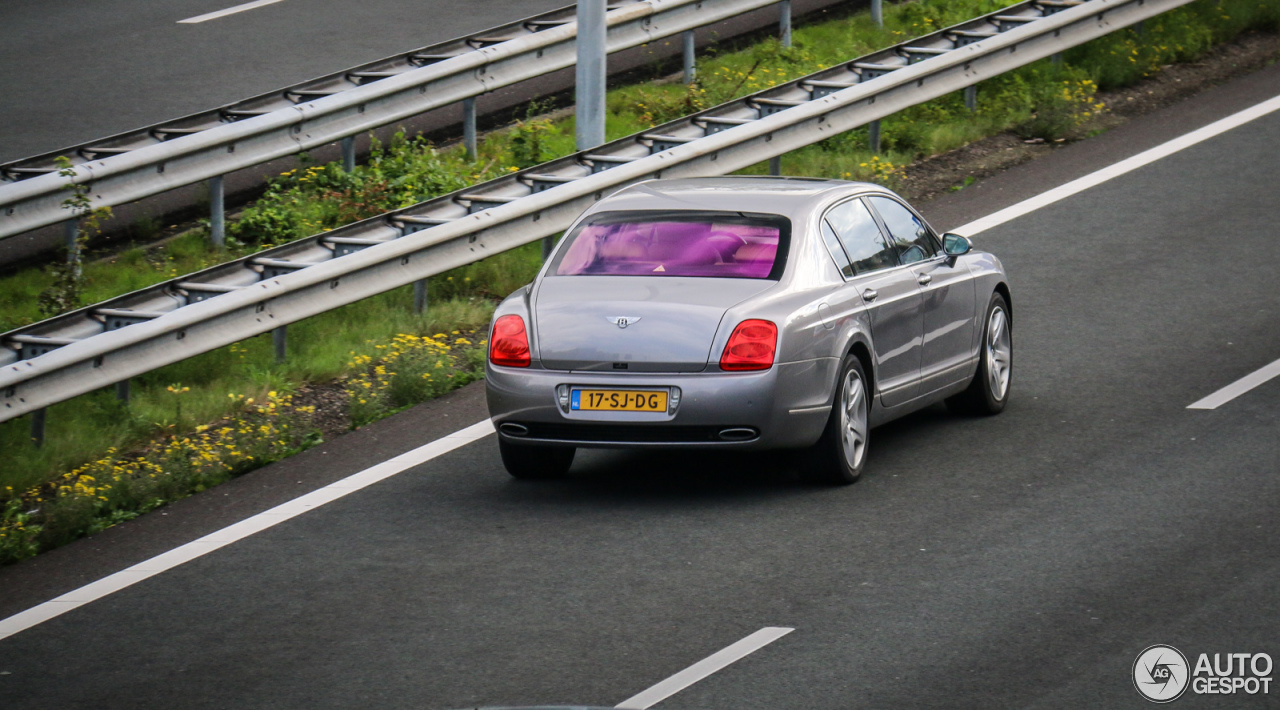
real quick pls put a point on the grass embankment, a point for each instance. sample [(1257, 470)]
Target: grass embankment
[(42, 505)]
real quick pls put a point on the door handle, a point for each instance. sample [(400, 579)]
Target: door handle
[(924, 279), (869, 294)]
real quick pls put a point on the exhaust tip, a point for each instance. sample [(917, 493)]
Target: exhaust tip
[(513, 429), (738, 434)]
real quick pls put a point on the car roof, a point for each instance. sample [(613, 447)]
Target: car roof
[(789, 196)]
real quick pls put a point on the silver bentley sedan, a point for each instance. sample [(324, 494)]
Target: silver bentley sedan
[(745, 313)]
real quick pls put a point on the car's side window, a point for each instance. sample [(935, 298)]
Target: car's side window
[(837, 251), (860, 236), (911, 239)]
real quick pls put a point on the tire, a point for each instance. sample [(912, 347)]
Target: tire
[(989, 391), (535, 463), (840, 455)]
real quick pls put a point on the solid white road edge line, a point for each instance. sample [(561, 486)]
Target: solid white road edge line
[(1237, 388), (229, 11), (1116, 170), (705, 667), (262, 521), (244, 528)]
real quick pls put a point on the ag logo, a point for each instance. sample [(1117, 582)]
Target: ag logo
[(1160, 673)]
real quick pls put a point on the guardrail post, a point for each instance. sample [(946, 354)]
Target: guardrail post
[(71, 234), (1141, 29), (217, 212), (1057, 60), (37, 426), (873, 135), (775, 165), (122, 391), (877, 13), (420, 296), (280, 339), (589, 131), (784, 22), (690, 69), (349, 154), (469, 126), (971, 97), (547, 245)]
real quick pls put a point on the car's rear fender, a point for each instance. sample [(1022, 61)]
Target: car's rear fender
[(806, 333)]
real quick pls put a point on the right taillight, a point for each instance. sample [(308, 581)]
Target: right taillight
[(751, 346), (509, 345)]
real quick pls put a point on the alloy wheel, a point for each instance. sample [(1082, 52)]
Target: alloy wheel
[(853, 431), (999, 354)]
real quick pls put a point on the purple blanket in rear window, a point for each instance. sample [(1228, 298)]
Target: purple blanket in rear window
[(673, 249)]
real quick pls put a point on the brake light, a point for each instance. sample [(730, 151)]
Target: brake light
[(751, 346), (509, 345)]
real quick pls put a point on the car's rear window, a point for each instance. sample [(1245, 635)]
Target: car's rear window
[(717, 244)]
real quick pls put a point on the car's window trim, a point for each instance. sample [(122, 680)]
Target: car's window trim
[(848, 263)]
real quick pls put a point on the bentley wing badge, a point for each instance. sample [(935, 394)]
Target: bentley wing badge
[(622, 321)]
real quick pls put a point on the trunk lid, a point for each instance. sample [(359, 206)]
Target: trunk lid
[(671, 321)]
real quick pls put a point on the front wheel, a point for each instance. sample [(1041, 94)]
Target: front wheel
[(989, 391), (840, 455), (532, 463)]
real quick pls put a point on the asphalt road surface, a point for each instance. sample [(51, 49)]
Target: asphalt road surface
[(75, 71), (1019, 561)]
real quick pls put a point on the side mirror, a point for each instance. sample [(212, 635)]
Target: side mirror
[(956, 245)]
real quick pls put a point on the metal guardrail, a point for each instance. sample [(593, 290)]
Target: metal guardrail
[(26, 168), (139, 164), (95, 347)]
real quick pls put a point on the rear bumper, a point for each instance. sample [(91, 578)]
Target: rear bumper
[(784, 407)]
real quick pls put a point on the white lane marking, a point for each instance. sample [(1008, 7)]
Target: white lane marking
[(1237, 388), (238, 531), (704, 668), (229, 11), (1146, 157)]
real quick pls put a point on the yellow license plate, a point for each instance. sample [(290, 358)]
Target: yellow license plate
[(619, 400)]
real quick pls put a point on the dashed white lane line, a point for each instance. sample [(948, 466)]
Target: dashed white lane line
[(244, 528), (715, 662), (1237, 388), (1127, 165), (229, 11)]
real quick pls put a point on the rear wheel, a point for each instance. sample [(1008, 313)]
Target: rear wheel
[(531, 463), (989, 391), (841, 453)]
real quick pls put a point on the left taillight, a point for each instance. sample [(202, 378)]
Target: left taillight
[(509, 345), (751, 347)]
